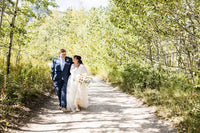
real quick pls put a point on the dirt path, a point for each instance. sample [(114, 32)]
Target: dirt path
[(110, 111)]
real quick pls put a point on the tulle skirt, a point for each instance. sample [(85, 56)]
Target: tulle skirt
[(77, 95)]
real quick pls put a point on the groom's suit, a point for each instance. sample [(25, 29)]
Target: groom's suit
[(60, 71)]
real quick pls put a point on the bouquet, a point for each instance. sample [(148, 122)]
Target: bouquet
[(84, 79)]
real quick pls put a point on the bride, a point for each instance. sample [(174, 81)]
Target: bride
[(77, 93)]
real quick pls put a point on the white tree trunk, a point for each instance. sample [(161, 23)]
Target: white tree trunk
[(11, 37)]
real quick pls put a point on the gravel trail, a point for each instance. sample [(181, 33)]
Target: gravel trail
[(110, 111)]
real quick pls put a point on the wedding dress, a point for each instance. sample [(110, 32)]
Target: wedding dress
[(77, 93)]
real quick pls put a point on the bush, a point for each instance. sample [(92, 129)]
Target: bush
[(137, 76), (27, 82)]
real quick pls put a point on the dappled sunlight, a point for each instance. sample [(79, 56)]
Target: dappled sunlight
[(110, 111)]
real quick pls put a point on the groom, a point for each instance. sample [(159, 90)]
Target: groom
[(60, 71)]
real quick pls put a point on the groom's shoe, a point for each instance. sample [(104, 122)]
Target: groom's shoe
[(64, 109)]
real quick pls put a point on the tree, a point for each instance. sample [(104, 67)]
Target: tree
[(167, 26), (27, 11), (11, 37), (2, 13)]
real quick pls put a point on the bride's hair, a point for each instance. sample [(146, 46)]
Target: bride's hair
[(79, 59)]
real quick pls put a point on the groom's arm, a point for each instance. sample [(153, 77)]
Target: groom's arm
[(52, 69), (70, 62)]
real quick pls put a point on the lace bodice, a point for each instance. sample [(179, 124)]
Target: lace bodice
[(76, 71)]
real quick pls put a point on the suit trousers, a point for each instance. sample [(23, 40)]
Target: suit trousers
[(61, 92)]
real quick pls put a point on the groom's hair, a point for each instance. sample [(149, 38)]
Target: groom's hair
[(62, 51)]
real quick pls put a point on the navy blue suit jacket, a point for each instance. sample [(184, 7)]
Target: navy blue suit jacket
[(56, 72)]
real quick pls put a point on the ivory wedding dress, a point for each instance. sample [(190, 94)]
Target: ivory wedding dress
[(77, 93)]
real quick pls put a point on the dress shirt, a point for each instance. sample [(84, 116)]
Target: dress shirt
[(62, 63)]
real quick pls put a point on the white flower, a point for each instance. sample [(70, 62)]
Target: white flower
[(84, 79)]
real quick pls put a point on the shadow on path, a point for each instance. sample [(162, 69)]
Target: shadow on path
[(110, 111)]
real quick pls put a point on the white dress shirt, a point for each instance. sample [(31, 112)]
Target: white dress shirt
[(62, 63)]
